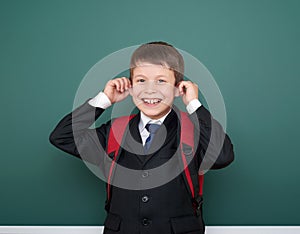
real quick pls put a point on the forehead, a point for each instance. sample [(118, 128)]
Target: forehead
[(152, 70)]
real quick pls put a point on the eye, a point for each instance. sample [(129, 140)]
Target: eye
[(140, 80), (161, 81)]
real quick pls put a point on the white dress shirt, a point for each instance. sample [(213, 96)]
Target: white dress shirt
[(102, 101)]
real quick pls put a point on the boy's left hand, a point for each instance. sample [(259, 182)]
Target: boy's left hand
[(188, 91)]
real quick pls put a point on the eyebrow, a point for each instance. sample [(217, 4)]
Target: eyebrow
[(140, 75)]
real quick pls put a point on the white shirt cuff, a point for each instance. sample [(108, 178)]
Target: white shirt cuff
[(101, 101), (193, 106)]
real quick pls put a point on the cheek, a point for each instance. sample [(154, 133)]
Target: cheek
[(136, 91), (168, 92)]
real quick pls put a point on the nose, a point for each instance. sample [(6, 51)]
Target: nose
[(150, 87)]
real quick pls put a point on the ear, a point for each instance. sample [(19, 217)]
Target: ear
[(130, 91), (176, 91)]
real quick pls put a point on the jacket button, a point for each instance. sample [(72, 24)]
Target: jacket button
[(145, 174), (145, 222), (145, 198)]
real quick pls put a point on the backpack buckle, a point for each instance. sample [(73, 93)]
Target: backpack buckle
[(197, 205), (187, 150)]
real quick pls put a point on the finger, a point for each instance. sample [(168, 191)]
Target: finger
[(122, 85), (117, 84), (126, 83), (123, 81), (187, 83), (184, 85), (181, 87)]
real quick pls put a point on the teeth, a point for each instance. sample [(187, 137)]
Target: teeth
[(151, 101)]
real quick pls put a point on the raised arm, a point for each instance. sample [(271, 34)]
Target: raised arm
[(215, 149), (72, 134)]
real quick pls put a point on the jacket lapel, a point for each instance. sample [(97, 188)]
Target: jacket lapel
[(133, 141)]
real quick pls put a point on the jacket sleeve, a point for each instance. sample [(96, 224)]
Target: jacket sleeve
[(73, 135), (214, 150)]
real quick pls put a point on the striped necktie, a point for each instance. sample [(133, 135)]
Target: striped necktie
[(152, 128)]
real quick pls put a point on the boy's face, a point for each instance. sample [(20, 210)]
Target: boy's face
[(153, 89)]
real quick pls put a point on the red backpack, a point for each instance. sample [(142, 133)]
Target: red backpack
[(194, 184)]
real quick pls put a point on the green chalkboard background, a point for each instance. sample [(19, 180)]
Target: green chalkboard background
[(251, 48)]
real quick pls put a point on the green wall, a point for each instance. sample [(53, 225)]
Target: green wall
[(250, 47)]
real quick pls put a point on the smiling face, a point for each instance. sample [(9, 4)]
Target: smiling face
[(153, 89)]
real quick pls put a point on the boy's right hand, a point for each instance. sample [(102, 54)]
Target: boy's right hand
[(117, 89)]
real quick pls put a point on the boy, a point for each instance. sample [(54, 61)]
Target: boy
[(156, 78)]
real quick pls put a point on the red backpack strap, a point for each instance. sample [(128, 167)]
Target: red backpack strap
[(195, 184), (114, 141)]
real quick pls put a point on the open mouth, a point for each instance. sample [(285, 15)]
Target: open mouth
[(151, 100)]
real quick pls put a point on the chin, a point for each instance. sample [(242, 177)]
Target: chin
[(155, 114), (151, 114)]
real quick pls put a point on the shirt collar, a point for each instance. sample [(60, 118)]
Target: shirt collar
[(145, 120)]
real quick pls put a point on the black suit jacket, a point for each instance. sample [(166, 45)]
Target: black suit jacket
[(144, 197)]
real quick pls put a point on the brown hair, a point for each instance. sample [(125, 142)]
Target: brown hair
[(159, 53)]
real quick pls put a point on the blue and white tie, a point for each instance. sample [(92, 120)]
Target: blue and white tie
[(152, 128)]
